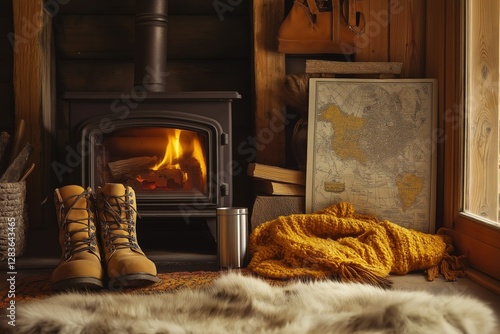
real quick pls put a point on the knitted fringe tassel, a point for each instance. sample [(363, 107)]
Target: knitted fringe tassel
[(356, 273), (450, 266)]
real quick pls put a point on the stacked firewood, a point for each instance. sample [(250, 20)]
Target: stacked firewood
[(13, 157)]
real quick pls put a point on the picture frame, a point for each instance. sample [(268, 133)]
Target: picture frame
[(373, 143)]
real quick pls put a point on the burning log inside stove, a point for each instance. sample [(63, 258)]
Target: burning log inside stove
[(192, 167), (187, 177), (135, 158), (185, 173), (166, 178), (129, 168)]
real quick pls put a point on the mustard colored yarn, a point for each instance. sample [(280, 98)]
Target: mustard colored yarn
[(337, 242)]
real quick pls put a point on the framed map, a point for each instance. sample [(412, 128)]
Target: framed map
[(372, 143)]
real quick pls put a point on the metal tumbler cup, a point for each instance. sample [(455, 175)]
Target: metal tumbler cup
[(232, 237)]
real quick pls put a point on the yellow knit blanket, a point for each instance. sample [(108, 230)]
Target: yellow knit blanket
[(337, 242)]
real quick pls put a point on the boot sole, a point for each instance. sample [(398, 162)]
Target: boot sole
[(132, 281), (78, 283)]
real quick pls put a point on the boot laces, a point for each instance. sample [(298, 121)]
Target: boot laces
[(72, 244), (121, 225)]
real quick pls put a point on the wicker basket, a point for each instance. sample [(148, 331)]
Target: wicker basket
[(13, 217)]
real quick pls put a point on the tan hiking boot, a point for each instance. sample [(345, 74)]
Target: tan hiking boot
[(126, 263), (80, 266)]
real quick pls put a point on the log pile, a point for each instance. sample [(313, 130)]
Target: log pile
[(13, 158)]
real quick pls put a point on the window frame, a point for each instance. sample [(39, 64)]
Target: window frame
[(479, 242)]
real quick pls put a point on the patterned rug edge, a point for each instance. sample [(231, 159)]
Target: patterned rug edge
[(31, 288)]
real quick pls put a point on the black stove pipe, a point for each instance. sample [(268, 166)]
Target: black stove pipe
[(151, 25)]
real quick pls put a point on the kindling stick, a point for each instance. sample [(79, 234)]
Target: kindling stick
[(15, 169)]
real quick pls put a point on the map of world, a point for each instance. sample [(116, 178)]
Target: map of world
[(371, 143)]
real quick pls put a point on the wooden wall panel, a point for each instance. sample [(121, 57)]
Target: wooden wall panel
[(175, 7), (182, 76), (94, 36), (269, 74), (373, 45), (6, 51), (27, 96), (435, 68), (97, 7), (7, 117), (6, 8), (407, 36), (395, 31), (189, 37)]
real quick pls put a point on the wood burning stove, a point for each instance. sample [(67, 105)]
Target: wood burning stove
[(174, 149)]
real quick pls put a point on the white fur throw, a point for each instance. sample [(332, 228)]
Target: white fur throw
[(240, 304)]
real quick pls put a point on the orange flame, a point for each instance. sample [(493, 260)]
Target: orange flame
[(182, 144), (172, 149)]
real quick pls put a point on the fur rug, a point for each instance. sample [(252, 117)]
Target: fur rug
[(240, 304)]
